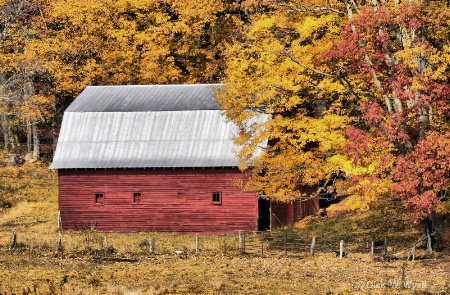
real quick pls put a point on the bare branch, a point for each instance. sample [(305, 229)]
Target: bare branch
[(308, 67), (340, 79), (351, 5)]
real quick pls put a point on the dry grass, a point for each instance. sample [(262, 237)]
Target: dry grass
[(86, 266), (360, 228), (221, 274)]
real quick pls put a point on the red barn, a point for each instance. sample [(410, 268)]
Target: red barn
[(155, 158)]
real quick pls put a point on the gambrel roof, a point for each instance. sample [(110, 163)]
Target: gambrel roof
[(145, 127)]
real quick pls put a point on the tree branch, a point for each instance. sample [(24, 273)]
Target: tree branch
[(351, 5), (338, 78), (316, 10)]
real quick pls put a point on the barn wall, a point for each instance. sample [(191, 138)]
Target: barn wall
[(305, 208), (285, 214), (282, 214), (177, 200)]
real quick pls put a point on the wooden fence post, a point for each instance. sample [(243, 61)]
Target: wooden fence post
[(197, 244), (241, 242), (13, 240), (385, 250), (372, 250), (105, 241), (150, 245), (59, 243), (59, 220), (341, 249), (313, 246)]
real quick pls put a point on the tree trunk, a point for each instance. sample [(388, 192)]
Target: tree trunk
[(32, 134), (54, 123), (441, 228), (427, 225), (29, 134), (5, 131), (36, 142)]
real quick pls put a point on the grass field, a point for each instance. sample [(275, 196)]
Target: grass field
[(22, 273), (125, 266)]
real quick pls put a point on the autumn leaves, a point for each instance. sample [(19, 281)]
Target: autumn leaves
[(360, 86)]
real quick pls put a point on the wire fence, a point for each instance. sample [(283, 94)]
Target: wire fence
[(92, 243), (295, 244)]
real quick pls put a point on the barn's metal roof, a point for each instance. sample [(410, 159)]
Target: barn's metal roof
[(144, 98), (153, 131)]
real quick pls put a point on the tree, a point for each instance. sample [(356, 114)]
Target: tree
[(22, 102), (52, 49), (272, 72), (398, 52), (357, 85), (423, 175), (136, 42)]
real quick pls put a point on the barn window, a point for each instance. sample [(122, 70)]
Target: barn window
[(137, 198), (217, 198), (99, 198)]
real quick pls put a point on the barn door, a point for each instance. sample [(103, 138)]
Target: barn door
[(263, 214)]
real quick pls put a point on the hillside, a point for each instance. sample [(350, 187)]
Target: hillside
[(29, 204), (84, 265), (346, 88)]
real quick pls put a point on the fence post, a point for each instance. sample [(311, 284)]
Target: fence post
[(241, 242), (313, 246), (197, 244), (105, 241), (150, 244), (341, 249), (372, 250), (13, 240), (414, 253), (59, 243), (385, 250)]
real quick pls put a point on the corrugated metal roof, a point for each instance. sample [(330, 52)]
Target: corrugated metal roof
[(135, 137), (144, 98)]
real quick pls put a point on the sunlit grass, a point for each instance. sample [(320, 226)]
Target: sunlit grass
[(84, 261)]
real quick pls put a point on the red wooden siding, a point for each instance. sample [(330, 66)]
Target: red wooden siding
[(177, 200), (285, 214), (305, 208), (282, 214)]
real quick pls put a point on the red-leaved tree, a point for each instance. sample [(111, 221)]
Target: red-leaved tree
[(395, 56)]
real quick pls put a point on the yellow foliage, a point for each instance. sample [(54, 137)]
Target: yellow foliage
[(270, 74), (375, 190)]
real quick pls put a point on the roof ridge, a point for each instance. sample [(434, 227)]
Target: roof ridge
[(158, 85), (128, 98)]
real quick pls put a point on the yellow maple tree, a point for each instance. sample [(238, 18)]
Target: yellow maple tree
[(274, 72)]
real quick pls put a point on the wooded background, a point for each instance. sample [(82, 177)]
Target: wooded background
[(350, 86)]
